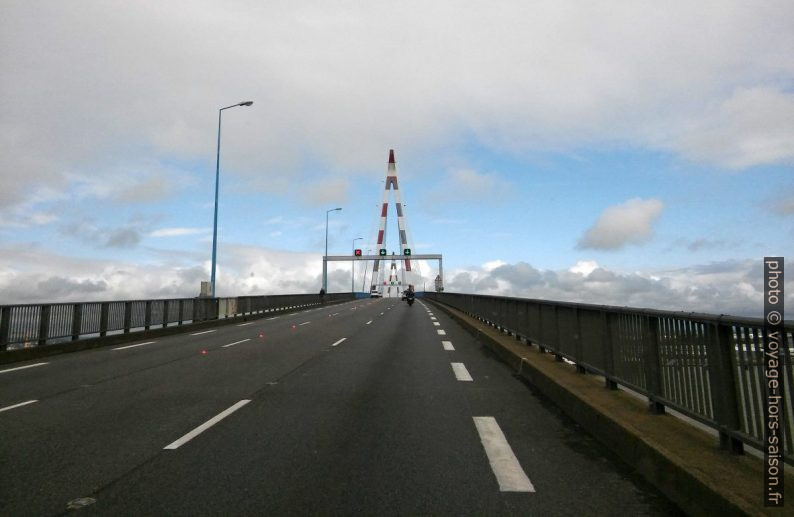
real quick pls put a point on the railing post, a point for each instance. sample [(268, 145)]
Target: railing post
[(44, 324), (723, 386), (181, 307), (147, 316), (103, 318), (557, 355), (77, 321), (577, 342), (5, 326), (652, 367), (127, 317), (609, 351), (165, 313)]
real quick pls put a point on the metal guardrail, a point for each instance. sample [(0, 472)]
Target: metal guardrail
[(708, 367), (24, 326)]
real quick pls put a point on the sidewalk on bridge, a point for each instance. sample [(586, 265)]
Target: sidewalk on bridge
[(683, 462)]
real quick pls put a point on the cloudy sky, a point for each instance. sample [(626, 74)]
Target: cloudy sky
[(626, 153)]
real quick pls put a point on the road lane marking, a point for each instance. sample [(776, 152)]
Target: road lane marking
[(339, 341), (370, 321), (203, 332), (23, 367), (461, 373), (437, 324), (17, 405), (505, 465), (304, 323), (244, 324), (334, 314), (448, 345), (433, 318), (273, 318), (206, 425), (133, 346), (441, 332), (236, 343), (381, 314)]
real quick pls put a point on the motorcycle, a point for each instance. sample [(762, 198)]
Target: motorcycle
[(409, 297)]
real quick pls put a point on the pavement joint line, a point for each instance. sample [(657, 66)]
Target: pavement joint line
[(304, 323), (133, 346), (203, 332), (509, 474), (441, 332), (448, 346), (461, 373), (244, 324), (339, 341), (367, 323), (206, 425), (236, 343), (22, 367), (17, 405)]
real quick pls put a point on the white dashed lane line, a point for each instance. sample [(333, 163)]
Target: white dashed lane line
[(461, 373), (304, 323), (206, 425), (505, 465), (338, 342), (236, 343), (244, 324), (441, 332), (200, 333), (367, 323), (437, 324), (133, 346), (448, 345), (17, 405), (22, 367)]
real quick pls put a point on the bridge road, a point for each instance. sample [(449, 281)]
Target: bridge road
[(377, 423)]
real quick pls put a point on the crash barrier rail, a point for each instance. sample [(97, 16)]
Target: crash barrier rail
[(707, 367), (25, 326)]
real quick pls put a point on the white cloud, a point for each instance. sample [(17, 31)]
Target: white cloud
[(330, 89), (620, 225), (584, 267), (732, 287), (177, 232)]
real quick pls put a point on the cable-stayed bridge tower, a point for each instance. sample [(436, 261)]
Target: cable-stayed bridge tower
[(391, 183)]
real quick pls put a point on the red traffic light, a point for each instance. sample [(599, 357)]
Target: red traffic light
[(358, 253)]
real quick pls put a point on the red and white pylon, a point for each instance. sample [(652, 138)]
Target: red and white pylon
[(391, 183)]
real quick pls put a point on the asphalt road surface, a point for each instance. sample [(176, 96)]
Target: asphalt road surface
[(368, 407)]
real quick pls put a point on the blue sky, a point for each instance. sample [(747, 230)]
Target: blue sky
[(633, 155)]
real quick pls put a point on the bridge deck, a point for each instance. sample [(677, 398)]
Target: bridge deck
[(377, 423)]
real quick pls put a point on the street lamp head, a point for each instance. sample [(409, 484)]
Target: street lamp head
[(246, 103), (337, 209)]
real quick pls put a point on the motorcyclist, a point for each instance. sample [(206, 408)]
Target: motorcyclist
[(409, 294)]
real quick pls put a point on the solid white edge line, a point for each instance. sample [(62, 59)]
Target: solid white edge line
[(236, 343), (339, 341), (17, 405), (505, 465), (203, 332), (23, 367), (461, 373), (206, 425), (133, 346), (448, 345), (244, 324), (441, 332)]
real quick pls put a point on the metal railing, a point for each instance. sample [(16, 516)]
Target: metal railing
[(24, 326), (710, 368)]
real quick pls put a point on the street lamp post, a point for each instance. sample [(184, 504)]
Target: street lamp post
[(353, 275), (325, 262), (217, 179), (364, 283)]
